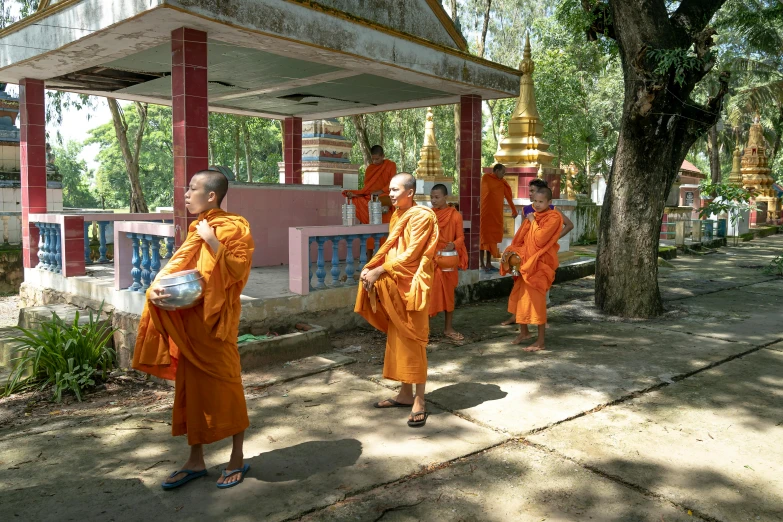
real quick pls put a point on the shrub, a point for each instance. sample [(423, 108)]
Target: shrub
[(775, 267), (66, 356)]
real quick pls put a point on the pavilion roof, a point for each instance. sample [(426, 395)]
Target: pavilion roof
[(689, 169), (270, 58)]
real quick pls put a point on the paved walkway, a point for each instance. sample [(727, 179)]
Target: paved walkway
[(679, 418)]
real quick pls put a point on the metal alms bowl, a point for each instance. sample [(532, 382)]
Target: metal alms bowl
[(185, 288)]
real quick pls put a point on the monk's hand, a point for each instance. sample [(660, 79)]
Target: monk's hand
[(371, 277), (531, 217), (514, 213), (157, 295), (207, 233), (449, 247), (349, 195)]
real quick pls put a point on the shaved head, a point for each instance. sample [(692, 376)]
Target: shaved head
[(441, 188), (214, 181), (407, 180)]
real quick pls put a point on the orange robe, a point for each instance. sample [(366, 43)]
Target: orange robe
[(449, 231), (493, 191), (197, 347), (398, 304), (376, 177), (536, 244)]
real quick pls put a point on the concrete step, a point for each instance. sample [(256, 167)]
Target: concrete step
[(289, 346), (29, 317)]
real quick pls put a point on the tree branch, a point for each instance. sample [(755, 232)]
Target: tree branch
[(142, 110), (693, 15), (601, 23)]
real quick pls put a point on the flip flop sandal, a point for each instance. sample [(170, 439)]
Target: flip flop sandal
[(392, 404), (184, 480), (454, 337), (418, 424), (227, 473)]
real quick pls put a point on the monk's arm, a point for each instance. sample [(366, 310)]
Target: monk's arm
[(568, 225), (459, 240), (235, 254), (181, 257), (422, 227), (542, 235), (510, 199)]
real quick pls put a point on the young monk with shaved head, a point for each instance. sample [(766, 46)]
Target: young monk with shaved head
[(394, 296), (536, 245), (197, 347), (450, 239)]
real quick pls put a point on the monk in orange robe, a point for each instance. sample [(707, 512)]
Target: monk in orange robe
[(394, 296), (536, 245), (197, 347), (494, 189), (376, 183), (450, 239)]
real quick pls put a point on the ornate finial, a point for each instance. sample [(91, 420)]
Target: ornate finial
[(430, 166), (526, 65)]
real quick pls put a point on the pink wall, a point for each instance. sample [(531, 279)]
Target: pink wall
[(273, 209)]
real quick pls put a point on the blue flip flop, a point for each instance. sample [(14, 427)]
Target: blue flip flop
[(184, 480), (227, 473)]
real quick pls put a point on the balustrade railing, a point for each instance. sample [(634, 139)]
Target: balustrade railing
[(141, 250), (329, 256), (49, 247)]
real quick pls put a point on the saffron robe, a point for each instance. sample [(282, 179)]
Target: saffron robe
[(536, 244), (493, 191), (398, 303), (197, 347), (449, 231)]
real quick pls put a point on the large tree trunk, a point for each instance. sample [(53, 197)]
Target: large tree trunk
[(659, 124), (361, 133), (248, 154), (485, 26), (131, 156), (714, 155)]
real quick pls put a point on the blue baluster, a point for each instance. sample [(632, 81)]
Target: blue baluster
[(349, 270), (48, 248), (58, 256), (102, 240), (87, 251), (41, 246), (155, 263), (321, 271), (336, 261), (363, 251), (145, 262), (169, 247), (310, 265), (136, 262), (378, 238)]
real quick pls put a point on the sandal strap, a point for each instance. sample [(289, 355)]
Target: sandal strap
[(227, 473)]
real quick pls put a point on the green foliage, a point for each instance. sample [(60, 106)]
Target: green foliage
[(77, 192), (729, 199), (65, 356), (675, 61), (156, 164), (228, 135), (775, 267)]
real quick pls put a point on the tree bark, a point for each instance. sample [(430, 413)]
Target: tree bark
[(484, 28), (248, 155), (131, 156), (236, 149), (361, 134), (658, 126), (714, 155)]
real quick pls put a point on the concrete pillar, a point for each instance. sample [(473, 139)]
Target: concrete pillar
[(190, 110), (470, 173), (32, 113), (292, 150)]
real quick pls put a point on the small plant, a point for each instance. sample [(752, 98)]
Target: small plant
[(775, 267), (729, 199), (66, 356)]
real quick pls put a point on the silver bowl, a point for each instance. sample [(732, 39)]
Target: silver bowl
[(186, 289)]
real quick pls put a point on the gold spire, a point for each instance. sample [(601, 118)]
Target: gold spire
[(735, 178), (524, 147), (756, 173), (430, 166)]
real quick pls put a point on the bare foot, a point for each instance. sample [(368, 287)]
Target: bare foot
[(508, 322), (235, 462), (546, 325), (535, 347), (192, 465), (521, 337), (453, 335)]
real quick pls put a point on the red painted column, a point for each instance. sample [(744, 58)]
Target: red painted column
[(32, 114), (190, 110), (470, 173), (292, 150)]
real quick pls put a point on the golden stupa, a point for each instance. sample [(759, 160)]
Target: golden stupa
[(430, 166), (735, 178), (524, 147), (756, 173)]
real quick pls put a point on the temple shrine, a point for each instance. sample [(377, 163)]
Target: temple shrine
[(756, 176), (429, 171)]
